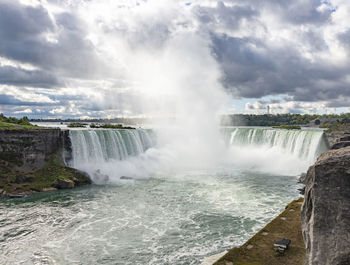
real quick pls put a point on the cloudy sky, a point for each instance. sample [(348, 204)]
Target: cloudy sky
[(106, 58)]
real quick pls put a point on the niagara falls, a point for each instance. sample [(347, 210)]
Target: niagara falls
[(165, 132)]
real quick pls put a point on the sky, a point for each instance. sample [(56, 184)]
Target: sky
[(109, 58)]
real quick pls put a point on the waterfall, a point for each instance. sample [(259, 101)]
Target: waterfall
[(109, 154), (304, 144), (104, 145)]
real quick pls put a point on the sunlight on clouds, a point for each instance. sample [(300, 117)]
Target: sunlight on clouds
[(8, 62)]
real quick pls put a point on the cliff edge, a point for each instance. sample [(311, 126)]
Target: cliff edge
[(32, 160), (326, 209)]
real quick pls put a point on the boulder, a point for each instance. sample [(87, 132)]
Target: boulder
[(125, 177), (302, 178), (326, 209), (65, 184), (100, 178), (346, 137), (49, 189), (340, 145)]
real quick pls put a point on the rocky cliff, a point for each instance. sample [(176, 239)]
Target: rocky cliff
[(29, 149), (326, 209), (33, 160)]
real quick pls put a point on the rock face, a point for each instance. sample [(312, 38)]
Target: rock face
[(326, 209), (337, 136), (65, 184), (30, 148), (34, 160), (340, 144)]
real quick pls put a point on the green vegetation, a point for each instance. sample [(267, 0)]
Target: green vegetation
[(48, 175), (111, 126), (260, 250), (336, 126), (77, 125), (281, 119), (11, 123), (288, 127), (13, 181)]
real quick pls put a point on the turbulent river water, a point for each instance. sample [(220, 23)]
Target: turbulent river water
[(163, 217)]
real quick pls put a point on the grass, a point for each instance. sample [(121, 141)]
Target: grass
[(13, 181), (111, 126), (13, 126), (286, 225), (288, 127), (76, 125), (10, 123)]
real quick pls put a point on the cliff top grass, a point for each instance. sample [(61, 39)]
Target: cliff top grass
[(76, 125), (288, 127), (259, 249), (12, 123), (111, 126)]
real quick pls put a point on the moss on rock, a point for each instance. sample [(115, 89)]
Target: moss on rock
[(43, 179)]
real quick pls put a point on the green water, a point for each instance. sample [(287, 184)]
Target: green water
[(178, 219)]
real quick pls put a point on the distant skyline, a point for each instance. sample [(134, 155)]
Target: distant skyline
[(107, 58)]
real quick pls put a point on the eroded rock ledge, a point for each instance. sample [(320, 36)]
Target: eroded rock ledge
[(33, 161), (326, 209)]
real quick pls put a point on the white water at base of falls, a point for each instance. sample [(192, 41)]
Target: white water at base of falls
[(109, 154), (277, 151), (102, 152)]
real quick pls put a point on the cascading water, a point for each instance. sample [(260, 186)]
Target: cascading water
[(96, 149), (118, 153), (279, 146)]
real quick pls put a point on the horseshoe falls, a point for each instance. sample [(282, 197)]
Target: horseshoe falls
[(274, 150), (137, 212)]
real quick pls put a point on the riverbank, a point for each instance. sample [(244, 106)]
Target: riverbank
[(259, 249)]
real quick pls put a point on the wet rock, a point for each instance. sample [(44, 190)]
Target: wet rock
[(301, 191), (346, 137), (302, 178), (64, 184), (49, 189), (100, 178), (14, 196), (21, 179), (326, 209), (340, 145), (125, 177)]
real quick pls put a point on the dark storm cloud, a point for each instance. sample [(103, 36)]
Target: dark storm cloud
[(32, 78), (24, 33), (254, 68), (22, 22), (252, 73)]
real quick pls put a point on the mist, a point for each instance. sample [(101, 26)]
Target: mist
[(174, 78)]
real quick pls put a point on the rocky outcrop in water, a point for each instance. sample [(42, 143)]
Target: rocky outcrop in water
[(326, 209), (33, 160)]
